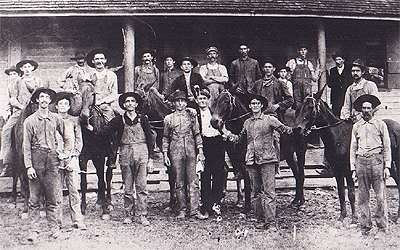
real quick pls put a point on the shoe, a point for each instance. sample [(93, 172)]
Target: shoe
[(181, 215), (80, 226), (127, 220), (325, 172), (144, 221), (217, 209), (33, 237), (201, 216)]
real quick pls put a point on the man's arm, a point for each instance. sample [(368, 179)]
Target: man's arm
[(113, 87), (27, 144), (149, 137), (258, 71), (287, 98), (203, 73), (232, 75), (224, 78), (346, 109), (353, 149), (66, 130), (387, 154), (14, 89), (279, 126), (78, 145), (166, 135)]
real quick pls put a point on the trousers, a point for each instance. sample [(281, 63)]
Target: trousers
[(6, 135)]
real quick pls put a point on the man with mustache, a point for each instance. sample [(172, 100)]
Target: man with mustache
[(76, 74), (370, 161), (42, 161), (244, 71), (214, 74), (359, 87), (146, 75)]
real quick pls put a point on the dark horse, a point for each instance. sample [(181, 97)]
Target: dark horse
[(336, 136), (232, 110), (96, 148)]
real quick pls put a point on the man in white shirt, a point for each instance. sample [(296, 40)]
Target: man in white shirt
[(215, 75)]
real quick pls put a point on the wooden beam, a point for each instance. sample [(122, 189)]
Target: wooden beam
[(322, 52), (129, 54)]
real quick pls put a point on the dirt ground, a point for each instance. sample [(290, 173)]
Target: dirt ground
[(314, 226)]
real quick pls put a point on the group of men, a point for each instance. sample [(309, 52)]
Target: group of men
[(190, 145)]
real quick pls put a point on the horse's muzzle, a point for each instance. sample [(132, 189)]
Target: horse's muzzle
[(216, 122)]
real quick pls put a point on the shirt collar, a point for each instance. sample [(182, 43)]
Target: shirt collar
[(41, 117), (129, 121)]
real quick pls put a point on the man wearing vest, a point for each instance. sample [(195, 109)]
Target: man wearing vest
[(215, 75), (370, 161), (169, 75), (146, 75)]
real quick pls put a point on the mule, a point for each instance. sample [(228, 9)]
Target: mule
[(231, 110), (336, 136)]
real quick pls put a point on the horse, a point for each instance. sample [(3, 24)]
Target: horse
[(336, 136), (231, 110), (96, 148)]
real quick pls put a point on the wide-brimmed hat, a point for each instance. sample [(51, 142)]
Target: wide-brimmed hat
[(179, 94), (23, 62), (261, 98), (187, 58), (63, 95), (282, 67), (302, 44), (366, 98), (205, 92), (338, 54), (212, 48), (147, 50), (48, 91), (92, 53), (122, 98), (11, 69), (359, 63), (79, 55)]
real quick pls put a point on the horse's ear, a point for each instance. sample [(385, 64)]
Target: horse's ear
[(319, 93)]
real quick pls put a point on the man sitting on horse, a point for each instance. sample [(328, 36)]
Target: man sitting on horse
[(136, 153), (42, 160), (20, 95), (182, 149), (261, 158), (370, 161), (147, 75)]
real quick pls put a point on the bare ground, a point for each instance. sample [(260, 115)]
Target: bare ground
[(314, 226)]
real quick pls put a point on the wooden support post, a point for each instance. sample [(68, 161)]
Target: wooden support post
[(129, 54), (322, 52)]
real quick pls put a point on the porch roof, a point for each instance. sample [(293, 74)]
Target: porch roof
[(365, 9)]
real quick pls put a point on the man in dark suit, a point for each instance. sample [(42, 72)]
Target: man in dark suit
[(189, 82), (339, 79)]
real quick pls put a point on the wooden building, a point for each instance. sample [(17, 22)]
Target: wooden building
[(51, 31)]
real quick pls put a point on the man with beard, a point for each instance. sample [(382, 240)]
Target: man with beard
[(146, 75), (244, 71), (339, 79), (370, 161), (76, 74), (20, 95), (359, 87), (169, 75), (214, 74), (42, 161)]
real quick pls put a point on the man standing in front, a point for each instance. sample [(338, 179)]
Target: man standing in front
[(359, 87), (146, 75), (215, 75), (183, 149), (42, 160), (261, 158), (370, 161), (244, 71), (339, 79)]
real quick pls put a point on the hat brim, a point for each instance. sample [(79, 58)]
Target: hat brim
[(23, 62), (8, 71), (91, 54), (122, 98), (366, 98), (63, 95), (262, 99), (192, 61), (48, 91)]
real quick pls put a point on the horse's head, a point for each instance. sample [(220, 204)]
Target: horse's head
[(222, 109), (88, 98)]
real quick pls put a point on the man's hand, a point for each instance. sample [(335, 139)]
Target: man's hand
[(354, 175), (167, 162), (89, 127), (31, 173), (275, 107), (150, 166), (386, 173), (200, 157)]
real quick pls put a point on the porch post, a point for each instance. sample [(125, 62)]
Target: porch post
[(322, 52), (129, 54)]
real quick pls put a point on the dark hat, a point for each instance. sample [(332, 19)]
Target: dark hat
[(23, 62), (261, 98), (147, 50), (187, 58), (302, 44), (212, 48), (11, 69), (92, 53), (269, 60), (179, 94), (337, 54), (48, 91), (205, 92), (366, 98), (359, 63), (122, 98), (283, 67), (63, 95), (79, 55)]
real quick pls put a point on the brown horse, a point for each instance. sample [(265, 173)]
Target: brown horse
[(96, 148), (336, 135)]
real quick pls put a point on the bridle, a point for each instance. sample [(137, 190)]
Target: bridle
[(232, 105)]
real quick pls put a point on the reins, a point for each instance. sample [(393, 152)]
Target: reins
[(327, 126)]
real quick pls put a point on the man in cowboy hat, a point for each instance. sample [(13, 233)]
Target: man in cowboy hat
[(147, 75), (215, 75), (136, 147), (338, 80), (244, 71), (104, 81), (189, 82), (359, 87), (42, 160), (20, 96), (76, 74), (169, 75), (182, 148), (69, 170), (261, 158), (370, 161)]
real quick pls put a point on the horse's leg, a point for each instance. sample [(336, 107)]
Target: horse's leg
[(14, 188), (352, 198), (109, 175), (301, 161), (98, 163), (247, 191), (342, 196), (293, 166), (83, 167), (25, 192)]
